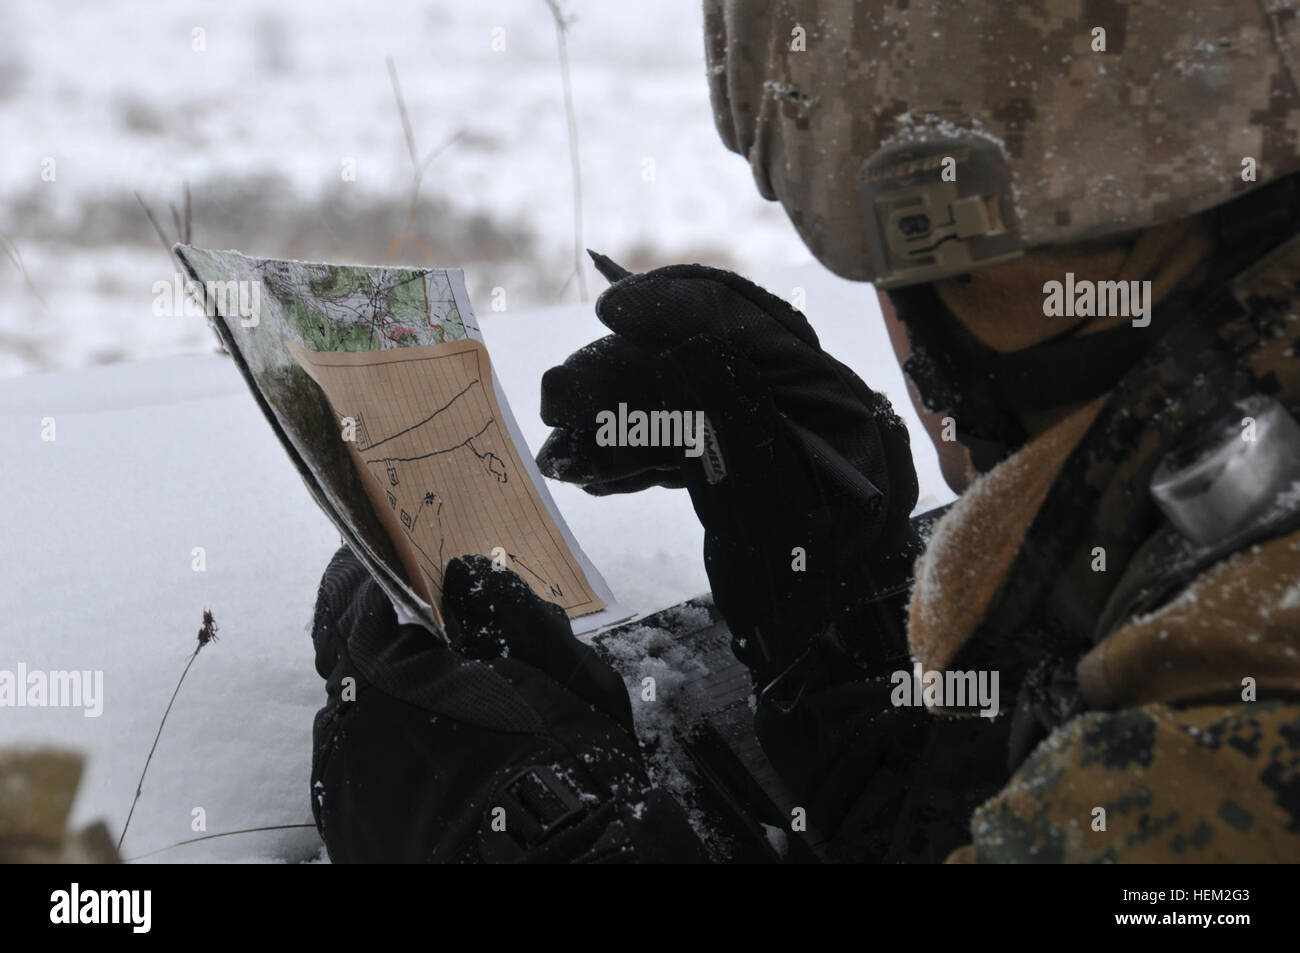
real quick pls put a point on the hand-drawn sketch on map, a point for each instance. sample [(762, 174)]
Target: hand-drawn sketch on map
[(378, 385)]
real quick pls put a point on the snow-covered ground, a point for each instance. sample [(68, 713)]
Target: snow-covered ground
[(155, 458), (285, 126), (163, 450)]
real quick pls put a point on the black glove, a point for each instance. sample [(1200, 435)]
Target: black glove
[(799, 454), (515, 744)]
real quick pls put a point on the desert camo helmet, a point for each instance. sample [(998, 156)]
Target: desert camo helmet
[(912, 140)]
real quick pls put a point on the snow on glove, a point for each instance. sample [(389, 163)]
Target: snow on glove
[(804, 480), (514, 744)]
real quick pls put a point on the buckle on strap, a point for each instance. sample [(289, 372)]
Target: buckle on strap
[(536, 802)]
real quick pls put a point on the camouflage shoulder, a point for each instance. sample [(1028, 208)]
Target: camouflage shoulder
[(1204, 784)]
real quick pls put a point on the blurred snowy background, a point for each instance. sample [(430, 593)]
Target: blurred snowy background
[(261, 121), (165, 450)]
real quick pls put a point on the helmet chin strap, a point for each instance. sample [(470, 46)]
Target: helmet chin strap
[(951, 370), (987, 392)]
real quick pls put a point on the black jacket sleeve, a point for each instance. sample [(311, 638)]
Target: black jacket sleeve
[(882, 782)]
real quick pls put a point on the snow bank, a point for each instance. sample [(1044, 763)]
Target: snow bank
[(151, 460)]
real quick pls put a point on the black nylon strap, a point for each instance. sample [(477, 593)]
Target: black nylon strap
[(1072, 369), (955, 371)]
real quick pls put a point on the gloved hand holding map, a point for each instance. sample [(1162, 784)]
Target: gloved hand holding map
[(379, 386)]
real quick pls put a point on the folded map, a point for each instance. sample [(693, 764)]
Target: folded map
[(379, 386)]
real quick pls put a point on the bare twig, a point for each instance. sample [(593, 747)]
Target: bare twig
[(561, 26), (14, 255), (182, 222), (207, 633), (195, 840), (184, 233), (418, 166), (565, 287), (401, 109), (158, 229), (176, 220)]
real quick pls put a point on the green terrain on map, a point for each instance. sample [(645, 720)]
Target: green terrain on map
[(354, 308)]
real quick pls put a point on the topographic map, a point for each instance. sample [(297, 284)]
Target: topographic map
[(350, 308), (378, 384), (336, 307)]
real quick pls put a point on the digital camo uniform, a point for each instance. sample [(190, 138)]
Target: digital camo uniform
[(1129, 559)]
